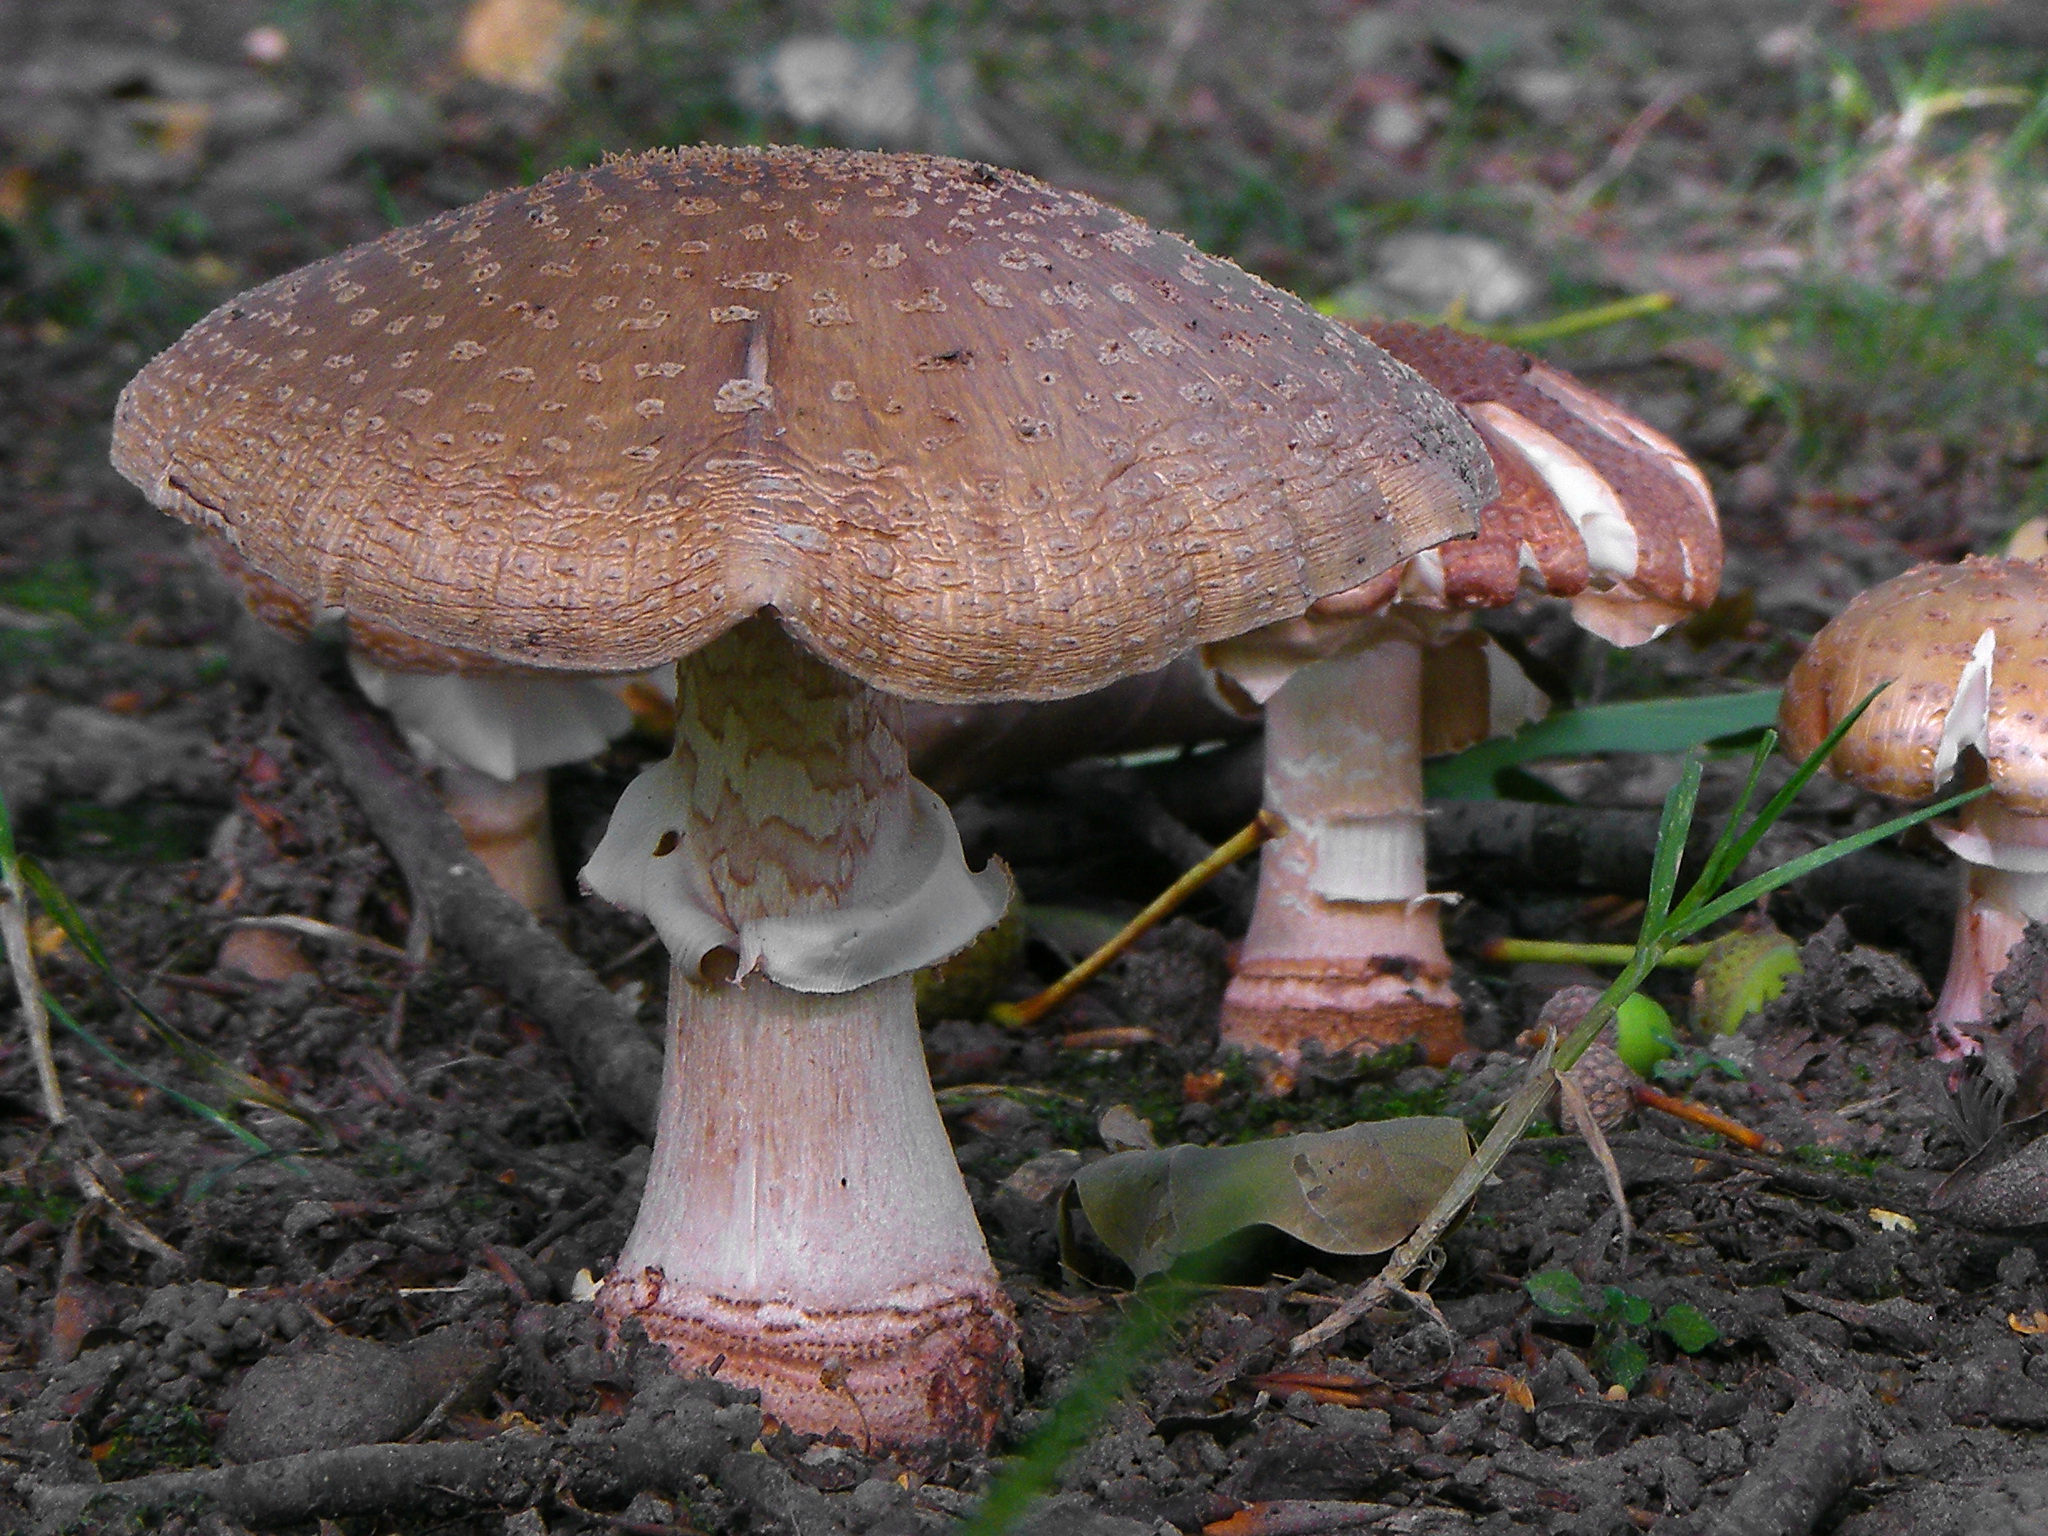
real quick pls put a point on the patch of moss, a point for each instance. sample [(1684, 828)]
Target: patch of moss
[(157, 1439), (1838, 1161), (23, 1205), (60, 586)]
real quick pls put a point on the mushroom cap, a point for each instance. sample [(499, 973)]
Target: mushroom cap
[(1965, 649), (967, 435), (383, 647), (1594, 504)]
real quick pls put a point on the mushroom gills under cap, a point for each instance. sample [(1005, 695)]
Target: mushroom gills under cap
[(1612, 547), (503, 725), (911, 904), (1595, 505)]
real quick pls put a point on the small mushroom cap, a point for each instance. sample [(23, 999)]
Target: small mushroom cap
[(1965, 649), (1595, 505), (968, 435)]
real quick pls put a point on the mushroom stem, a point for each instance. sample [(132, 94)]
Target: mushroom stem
[(1996, 907), (1344, 948), (506, 826), (804, 1217)]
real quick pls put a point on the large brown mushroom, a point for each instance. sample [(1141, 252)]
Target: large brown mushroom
[(1962, 647), (1595, 506), (831, 428)]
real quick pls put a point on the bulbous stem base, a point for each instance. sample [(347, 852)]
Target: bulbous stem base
[(805, 1221), (1345, 950)]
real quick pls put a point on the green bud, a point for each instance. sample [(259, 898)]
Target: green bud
[(1643, 1034)]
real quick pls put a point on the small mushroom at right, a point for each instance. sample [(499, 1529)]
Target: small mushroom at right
[(1345, 953), (1962, 648)]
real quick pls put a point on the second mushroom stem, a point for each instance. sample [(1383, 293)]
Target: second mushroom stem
[(1344, 948)]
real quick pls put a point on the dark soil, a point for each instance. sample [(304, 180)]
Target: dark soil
[(403, 1262)]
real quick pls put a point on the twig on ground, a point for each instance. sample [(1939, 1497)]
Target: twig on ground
[(327, 933), (1820, 1452), (28, 990), (1810, 1182), (507, 1471), (1263, 828), (1589, 186), (1573, 1097), (419, 948), (617, 1065)]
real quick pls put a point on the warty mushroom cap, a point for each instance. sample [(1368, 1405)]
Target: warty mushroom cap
[(1965, 648), (967, 435), (1595, 505)]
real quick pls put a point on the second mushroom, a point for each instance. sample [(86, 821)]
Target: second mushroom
[(1345, 954)]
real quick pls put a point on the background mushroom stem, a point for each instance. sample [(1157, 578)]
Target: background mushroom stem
[(804, 1216), (507, 827), (1344, 949), (2004, 889)]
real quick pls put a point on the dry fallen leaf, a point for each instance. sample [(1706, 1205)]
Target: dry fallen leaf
[(520, 44), (1893, 1221), (1891, 15), (2031, 1326), (1354, 1191)]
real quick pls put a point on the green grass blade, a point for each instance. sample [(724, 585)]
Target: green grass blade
[(203, 1111), (1724, 859), (239, 1086), (1096, 1389), (1807, 863), (1801, 777), (64, 913), (1652, 725), (1673, 827)]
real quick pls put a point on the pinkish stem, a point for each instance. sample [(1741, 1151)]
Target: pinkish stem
[(2006, 856), (506, 826), (804, 1218), (1989, 921), (1344, 948)]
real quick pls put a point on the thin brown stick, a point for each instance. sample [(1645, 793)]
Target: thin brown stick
[(1263, 828), (617, 1064), (1695, 1113), (1573, 1097), (21, 960)]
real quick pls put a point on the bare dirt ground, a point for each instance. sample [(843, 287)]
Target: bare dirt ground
[(1856, 357)]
